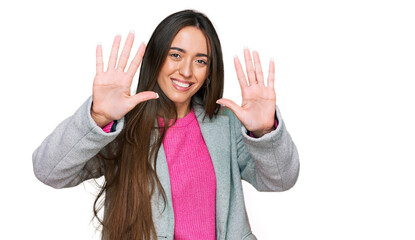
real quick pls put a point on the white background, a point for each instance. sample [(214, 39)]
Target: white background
[(345, 73)]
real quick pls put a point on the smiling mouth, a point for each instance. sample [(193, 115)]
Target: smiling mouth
[(182, 84)]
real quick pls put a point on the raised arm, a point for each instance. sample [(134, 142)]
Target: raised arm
[(269, 161), (67, 156)]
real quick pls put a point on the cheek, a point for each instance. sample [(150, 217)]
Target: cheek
[(201, 74), (167, 69)]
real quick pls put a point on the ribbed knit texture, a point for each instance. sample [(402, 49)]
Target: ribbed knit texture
[(192, 179), (107, 128)]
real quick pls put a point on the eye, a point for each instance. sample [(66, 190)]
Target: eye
[(200, 61), (175, 55)]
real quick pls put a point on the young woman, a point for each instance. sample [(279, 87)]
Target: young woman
[(172, 157)]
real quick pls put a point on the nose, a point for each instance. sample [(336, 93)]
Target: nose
[(185, 68)]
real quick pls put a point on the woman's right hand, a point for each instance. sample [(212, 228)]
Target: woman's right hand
[(111, 98)]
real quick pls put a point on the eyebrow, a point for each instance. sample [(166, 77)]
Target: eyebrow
[(184, 51)]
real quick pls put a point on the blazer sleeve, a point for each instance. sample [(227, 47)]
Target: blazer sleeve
[(269, 163), (67, 156)]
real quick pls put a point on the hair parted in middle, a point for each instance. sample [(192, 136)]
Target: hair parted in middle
[(130, 162)]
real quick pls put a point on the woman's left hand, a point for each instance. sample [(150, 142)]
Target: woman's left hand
[(257, 112)]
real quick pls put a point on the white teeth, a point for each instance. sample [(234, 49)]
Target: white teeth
[(180, 84)]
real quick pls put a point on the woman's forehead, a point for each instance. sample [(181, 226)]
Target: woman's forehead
[(191, 40)]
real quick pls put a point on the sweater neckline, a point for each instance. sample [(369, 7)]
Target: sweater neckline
[(180, 122)]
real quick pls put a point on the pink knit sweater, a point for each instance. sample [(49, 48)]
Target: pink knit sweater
[(192, 179)]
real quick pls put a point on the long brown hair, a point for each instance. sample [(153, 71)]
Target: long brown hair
[(130, 161)]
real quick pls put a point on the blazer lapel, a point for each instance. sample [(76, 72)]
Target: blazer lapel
[(217, 138), (165, 220)]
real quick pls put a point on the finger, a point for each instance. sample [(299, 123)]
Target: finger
[(141, 97), (135, 63), (100, 61), (235, 108), (271, 74), (250, 70), (114, 52), (240, 73), (258, 68), (125, 54)]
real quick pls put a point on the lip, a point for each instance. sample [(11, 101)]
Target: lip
[(179, 88)]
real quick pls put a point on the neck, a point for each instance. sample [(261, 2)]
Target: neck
[(182, 110)]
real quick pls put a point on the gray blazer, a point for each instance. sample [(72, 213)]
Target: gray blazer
[(269, 163)]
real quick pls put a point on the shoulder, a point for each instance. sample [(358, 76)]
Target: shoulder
[(223, 112)]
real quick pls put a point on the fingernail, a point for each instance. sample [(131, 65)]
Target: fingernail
[(246, 48), (99, 43), (157, 95), (144, 42), (132, 31), (271, 59), (234, 56)]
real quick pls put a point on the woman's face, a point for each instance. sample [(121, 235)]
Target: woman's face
[(185, 68)]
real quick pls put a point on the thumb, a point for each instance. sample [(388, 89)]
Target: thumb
[(235, 108), (142, 96)]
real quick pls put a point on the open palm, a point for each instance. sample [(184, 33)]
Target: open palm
[(111, 89), (257, 112)]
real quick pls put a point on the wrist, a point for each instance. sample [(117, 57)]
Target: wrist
[(99, 119), (261, 133)]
